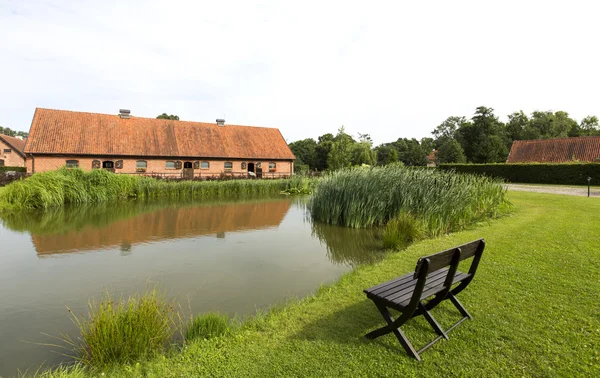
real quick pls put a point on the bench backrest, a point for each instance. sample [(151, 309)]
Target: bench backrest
[(451, 258)]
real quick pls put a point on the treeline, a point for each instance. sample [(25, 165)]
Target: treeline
[(481, 139), (13, 133)]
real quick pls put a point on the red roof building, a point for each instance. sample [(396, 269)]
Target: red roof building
[(560, 150), (11, 151), (128, 144)]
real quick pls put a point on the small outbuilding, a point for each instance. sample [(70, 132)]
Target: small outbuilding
[(560, 150), (123, 143), (12, 151)]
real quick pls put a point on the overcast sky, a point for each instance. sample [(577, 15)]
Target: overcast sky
[(393, 69)]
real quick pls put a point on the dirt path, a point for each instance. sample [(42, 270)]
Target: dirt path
[(571, 191)]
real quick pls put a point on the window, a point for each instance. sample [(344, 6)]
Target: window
[(141, 165), (205, 165), (72, 163), (1, 163), (228, 165), (7, 150), (170, 165), (272, 165)]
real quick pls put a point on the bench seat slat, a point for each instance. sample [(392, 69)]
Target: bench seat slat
[(400, 283)]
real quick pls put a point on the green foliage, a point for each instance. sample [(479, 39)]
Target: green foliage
[(167, 116), (402, 230), (13, 133), (300, 184), (589, 126), (484, 138), (75, 186), (450, 151), (386, 154), (207, 326), (306, 153), (12, 169), (371, 197), (340, 154), (118, 331), (536, 173)]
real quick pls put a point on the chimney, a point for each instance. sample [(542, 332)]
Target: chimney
[(220, 122), (124, 113)]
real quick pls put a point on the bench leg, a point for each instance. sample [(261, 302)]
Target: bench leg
[(432, 322), (459, 306), (396, 331)]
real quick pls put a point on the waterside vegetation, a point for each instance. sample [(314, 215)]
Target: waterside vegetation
[(75, 186)]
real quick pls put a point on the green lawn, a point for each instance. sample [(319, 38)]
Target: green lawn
[(535, 302)]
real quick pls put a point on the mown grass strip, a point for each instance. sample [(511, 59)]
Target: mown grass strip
[(534, 303)]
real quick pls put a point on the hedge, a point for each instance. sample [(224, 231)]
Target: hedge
[(13, 169), (535, 173)]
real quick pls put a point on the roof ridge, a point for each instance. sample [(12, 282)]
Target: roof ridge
[(158, 119), (555, 139)]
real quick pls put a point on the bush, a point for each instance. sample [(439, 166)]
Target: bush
[(207, 326), (444, 201), (535, 173), (120, 332), (402, 231), (13, 169)]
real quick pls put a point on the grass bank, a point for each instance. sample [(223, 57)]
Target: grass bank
[(534, 303), (413, 199), (75, 186)]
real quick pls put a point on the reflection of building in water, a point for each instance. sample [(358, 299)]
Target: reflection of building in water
[(168, 223)]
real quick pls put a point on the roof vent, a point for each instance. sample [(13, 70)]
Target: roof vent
[(124, 113), (220, 122)]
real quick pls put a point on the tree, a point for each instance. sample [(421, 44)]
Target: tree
[(166, 116), (427, 144), (517, 123), (13, 133), (340, 154), (484, 139), (448, 128), (306, 151), (362, 153), (450, 152), (386, 154), (322, 151), (410, 152), (589, 125)]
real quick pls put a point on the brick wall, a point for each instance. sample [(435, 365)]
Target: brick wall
[(11, 159), (49, 163)]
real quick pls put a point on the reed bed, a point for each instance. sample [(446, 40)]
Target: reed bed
[(75, 186), (442, 201)]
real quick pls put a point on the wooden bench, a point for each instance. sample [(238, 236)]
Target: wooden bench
[(414, 294)]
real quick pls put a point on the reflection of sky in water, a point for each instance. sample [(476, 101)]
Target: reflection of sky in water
[(233, 258)]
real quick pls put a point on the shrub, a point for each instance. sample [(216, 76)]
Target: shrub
[(444, 201), (13, 169), (537, 173), (402, 230), (207, 326), (122, 331)]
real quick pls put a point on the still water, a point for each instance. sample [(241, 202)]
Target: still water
[(229, 257)]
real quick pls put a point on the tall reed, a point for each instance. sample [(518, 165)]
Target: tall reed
[(75, 186), (443, 201)]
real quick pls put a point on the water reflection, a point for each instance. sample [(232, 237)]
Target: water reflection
[(352, 246), (85, 228)]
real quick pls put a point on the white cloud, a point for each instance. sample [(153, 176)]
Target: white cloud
[(392, 69)]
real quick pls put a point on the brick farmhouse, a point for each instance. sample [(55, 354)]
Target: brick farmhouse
[(560, 150), (135, 145), (11, 151)]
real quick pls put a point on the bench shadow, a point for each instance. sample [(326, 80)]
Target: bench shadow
[(350, 324)]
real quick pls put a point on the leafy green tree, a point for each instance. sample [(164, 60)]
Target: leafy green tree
[(450, 152), (322, 151), (340, 154), (448, 128), (166, 116), (362, 153), (306, 151), (13, 133), (386, 154), (517, 123), (589, 125), (410, 152), (484, 139)]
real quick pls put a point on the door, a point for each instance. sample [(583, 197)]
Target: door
[(251, 169), (188, 170), (108, 165)]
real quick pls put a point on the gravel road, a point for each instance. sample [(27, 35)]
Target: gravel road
[(571, 191)]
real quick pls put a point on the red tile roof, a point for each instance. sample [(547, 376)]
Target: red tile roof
[(17, 144), (78, 133), (562, 150)]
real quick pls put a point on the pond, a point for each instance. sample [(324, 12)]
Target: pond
[(232, 257)]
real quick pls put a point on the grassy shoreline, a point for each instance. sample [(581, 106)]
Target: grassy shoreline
[(534, 304)]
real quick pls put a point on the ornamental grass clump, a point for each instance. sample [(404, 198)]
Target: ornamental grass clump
[(402, 231), (207, 326), (119, 331), (371, 197)]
